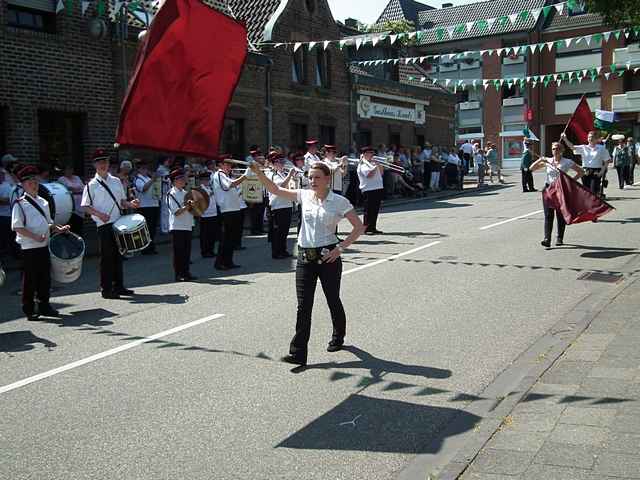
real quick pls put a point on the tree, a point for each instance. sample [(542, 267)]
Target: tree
[(618, 13), (395, 27)]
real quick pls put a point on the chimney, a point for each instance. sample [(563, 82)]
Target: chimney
[(351, 23), (447, 5)]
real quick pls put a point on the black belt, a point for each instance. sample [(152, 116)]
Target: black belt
[(313, 255)]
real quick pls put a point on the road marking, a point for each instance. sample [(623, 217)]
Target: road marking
[(108, 353), (392, 257), (511, 220)]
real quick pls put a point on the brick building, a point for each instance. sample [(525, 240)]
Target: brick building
[(500, 115)]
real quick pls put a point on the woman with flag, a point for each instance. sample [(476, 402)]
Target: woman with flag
[(556, 164)]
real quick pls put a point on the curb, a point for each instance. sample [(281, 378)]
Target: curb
[(509, 388)]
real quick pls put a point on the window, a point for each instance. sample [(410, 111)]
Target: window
[(512, 148), (62, 139), (298, 135), (420, 140), (364, 138), (323, 69), (328, 135), (394, 139), (511, 91), (233, 136), (298, 66), (31, 19)]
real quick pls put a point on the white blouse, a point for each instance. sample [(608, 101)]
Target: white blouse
[(320, 218), (369, 183), (276, 202)]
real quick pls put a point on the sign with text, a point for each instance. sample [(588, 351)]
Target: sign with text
[(369, 109)]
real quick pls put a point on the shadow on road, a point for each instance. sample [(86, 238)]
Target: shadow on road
[(368, 424), (22, 341)]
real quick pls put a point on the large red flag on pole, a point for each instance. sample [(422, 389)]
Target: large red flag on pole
[(575, 202), (581, 123), (187, 69)]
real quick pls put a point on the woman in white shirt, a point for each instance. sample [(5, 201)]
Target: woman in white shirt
[(554, 165), (76, 186), (318, 254)]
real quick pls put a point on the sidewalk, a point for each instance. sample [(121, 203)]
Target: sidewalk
[(581, 420)]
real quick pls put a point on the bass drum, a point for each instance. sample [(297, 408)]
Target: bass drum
[(60, 201)]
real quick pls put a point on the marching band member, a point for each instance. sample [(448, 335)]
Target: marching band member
[(180, 225), (281, 208), (229, 202), (318, 254), (595, 160), (338, 168), (31, 220), (237, 243), (163, 171), (149, 204), (209, 222), (76, 186), (371, 185), (104, 199), (256, 210), (311, 156), (554, 165)]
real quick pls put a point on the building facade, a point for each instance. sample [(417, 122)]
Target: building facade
[(500, 115)]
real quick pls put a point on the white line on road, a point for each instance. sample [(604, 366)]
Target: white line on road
[(393, 257), (108, 353), (511, 220)]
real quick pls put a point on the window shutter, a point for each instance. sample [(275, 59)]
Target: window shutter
[(41, 5)]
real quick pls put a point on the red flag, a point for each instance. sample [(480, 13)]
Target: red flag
[(187, 69), (576, 202), (581, 123)]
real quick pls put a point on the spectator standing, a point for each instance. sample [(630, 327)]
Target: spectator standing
[(621, 162), (480, 162), (525, 168), (467, 153), (633, 160)]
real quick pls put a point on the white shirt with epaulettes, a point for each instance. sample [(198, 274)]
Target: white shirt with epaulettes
[(97, 197), (25, 215), (226, 196), (212, 209), (277, 202)]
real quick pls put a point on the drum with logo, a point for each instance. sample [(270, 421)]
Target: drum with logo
[(60, 201), (67, 252), (132, 234), (252, 190)]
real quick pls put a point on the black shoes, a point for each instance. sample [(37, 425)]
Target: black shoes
[(334, 346), (123, 292), (32, 317), (546, 243), (293, 360), (224, 268), (47, 311), (110, 295), (559, 242), (185, 278)]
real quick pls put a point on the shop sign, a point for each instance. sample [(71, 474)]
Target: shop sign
[(369, 109)]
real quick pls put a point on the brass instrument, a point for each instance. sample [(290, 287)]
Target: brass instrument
[(197, 201), (381, 161)]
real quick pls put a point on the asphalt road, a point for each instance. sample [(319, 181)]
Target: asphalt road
[(183, 381)]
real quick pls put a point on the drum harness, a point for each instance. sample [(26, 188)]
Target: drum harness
[(106, 187), (35, 205)]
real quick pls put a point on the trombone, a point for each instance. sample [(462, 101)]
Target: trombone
[(381, 161)]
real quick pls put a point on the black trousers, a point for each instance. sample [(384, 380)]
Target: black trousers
[(632, 173), (427, 174), (151, 215), (280, 225), (237, 238), (209, 235), (592, 182), (77, 224), (231, 224), (256, 213), (527, 180), (5, 235), (372, 202), (307, 275), (548, 223), (181, 242), (623, 176), (111, 274), (36, 278)]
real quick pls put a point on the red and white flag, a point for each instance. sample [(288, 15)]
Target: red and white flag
[(575, 202), (187, 69)]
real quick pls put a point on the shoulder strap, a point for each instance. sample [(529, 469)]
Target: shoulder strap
[(174, 199), (36, 206), (217, 176), (106, 187)]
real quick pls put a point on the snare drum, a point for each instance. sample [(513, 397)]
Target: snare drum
[(132, 234), (62, 202)]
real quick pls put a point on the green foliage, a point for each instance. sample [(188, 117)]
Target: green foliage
[(396, 27), (618, 13)]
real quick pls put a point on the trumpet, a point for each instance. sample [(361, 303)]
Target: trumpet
[(381, 161)]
